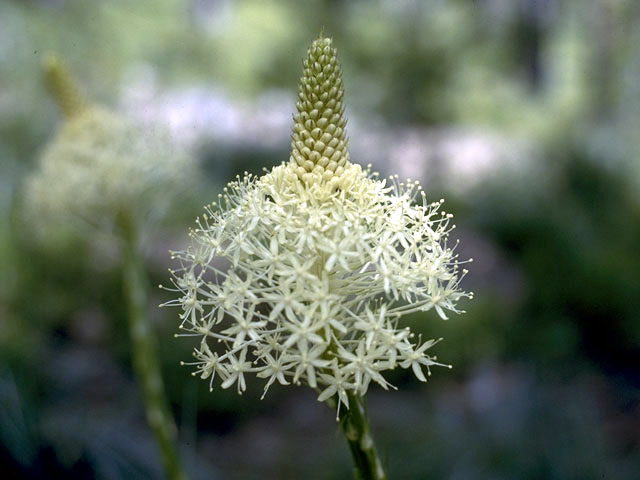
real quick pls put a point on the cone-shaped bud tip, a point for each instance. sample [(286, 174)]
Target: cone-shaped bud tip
[(63, 87), (319, 141)]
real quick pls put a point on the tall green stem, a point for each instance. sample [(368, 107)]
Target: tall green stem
[(355, 425), (144, 351)]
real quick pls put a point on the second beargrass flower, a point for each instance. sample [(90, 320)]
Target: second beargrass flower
[(303, 275), (112, 175), (100, 163)]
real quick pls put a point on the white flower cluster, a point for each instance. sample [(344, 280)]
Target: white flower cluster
[(307, 283), (100, 163), (303, 275)]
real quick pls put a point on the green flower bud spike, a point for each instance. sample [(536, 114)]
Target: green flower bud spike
[(319, 144), (63, 88)]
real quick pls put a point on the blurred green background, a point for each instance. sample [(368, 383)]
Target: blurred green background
[(523, 114)]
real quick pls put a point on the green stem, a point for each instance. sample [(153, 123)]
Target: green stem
[(144, 351), (355, 425)]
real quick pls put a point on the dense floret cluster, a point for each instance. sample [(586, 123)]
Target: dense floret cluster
[(100, 164)]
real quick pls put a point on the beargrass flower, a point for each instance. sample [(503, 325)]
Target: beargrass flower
[(303, 275), (103, 171), (100, 163)]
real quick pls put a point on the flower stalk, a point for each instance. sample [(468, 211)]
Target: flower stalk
[(355, 425), (144, 350)]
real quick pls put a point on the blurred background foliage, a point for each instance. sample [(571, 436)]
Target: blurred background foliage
[(523, 114)]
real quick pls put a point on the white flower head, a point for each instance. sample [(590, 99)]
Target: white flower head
[(100, 163), (303, 275)]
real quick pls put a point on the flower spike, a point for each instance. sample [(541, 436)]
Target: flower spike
[(321, 262), (303, 275)]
